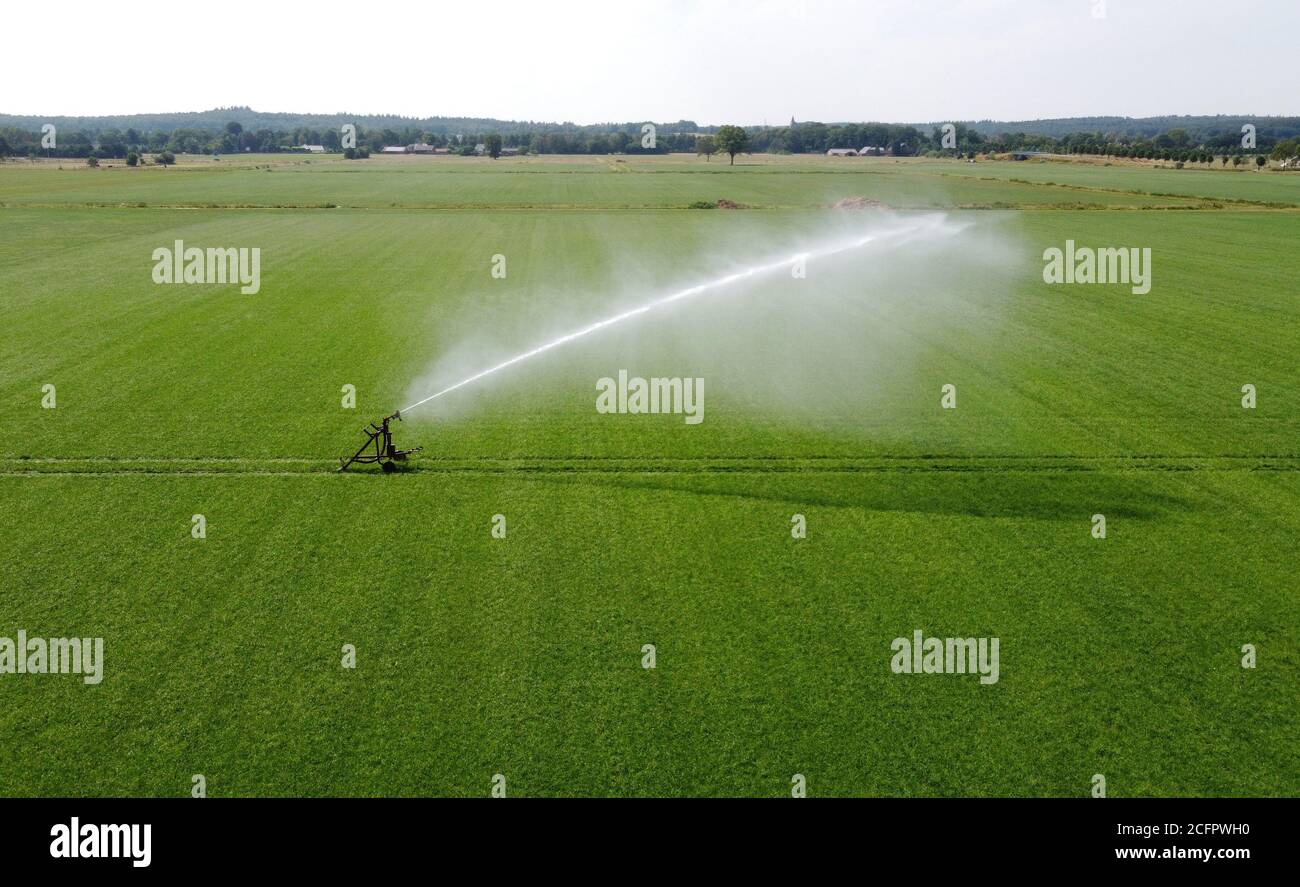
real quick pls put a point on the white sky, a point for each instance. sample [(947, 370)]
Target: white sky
[(712, 61)]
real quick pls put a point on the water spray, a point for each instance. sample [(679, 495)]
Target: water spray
[(382, 440)]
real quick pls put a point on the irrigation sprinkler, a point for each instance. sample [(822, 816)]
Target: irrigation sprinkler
[(381, 438), (385, 452)]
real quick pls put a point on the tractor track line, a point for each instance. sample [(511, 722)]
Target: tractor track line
[(233, 466)]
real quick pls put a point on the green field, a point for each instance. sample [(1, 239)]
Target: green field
[(523, 655)]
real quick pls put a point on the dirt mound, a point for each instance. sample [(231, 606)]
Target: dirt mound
[(724, 203), (859, 203)]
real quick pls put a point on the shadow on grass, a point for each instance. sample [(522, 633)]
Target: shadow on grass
[(1042, 495)]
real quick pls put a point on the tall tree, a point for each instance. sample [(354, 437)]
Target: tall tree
[(492, 144), (731, 140)]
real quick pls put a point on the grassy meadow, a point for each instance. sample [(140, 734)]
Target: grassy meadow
[(522, 655)]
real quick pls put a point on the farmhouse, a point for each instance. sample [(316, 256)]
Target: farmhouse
[(841, 152), (870, 150), (393, 149)]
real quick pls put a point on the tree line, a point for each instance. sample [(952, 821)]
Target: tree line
[(1175, 144), (899, 140)]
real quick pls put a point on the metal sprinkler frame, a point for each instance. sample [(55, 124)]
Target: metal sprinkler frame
[(386, 453)]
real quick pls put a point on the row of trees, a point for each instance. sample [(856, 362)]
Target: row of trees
[(1174, 144), (233, 138), (817, 138)]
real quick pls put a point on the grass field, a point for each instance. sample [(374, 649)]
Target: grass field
[(523, 655)]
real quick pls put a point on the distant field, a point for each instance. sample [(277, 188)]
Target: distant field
[(1215, 184), (522, 655), (591, 182)]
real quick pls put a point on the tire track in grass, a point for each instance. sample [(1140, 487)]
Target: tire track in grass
[(210, 466)]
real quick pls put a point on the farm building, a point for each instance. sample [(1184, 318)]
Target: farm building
[(841, 152), (314, 149), (412, 149), (871, 150)]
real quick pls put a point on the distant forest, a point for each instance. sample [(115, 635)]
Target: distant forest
[(241, 129)]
